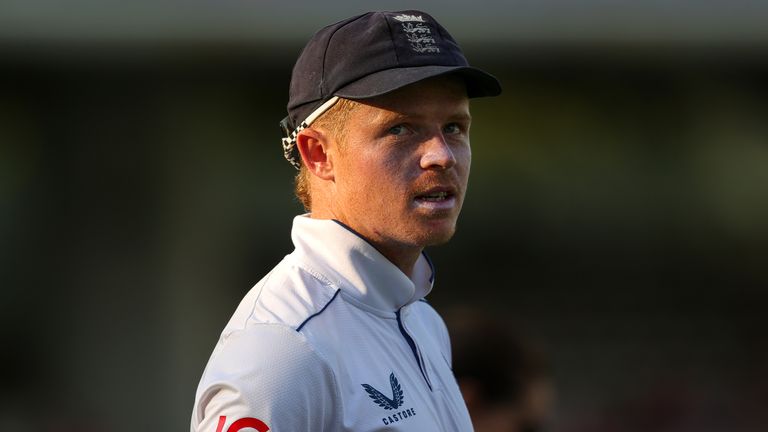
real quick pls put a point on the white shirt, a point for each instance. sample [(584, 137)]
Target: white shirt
[(334, 338)]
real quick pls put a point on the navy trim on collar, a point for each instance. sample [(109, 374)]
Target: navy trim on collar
[(431, 266), (298, 329), (348, 228)]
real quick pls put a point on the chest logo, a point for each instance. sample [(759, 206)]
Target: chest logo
[(383, 401)]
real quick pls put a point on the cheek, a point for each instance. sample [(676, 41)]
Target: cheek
[(368, 181), (386, 169), (463, 157)]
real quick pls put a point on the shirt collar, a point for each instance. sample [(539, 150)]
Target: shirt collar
[(354, 265)]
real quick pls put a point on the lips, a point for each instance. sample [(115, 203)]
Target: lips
[(436, 195)]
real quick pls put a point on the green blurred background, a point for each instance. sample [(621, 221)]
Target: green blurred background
[(617, 212)]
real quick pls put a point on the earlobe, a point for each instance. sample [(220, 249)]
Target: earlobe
[(313, 146)]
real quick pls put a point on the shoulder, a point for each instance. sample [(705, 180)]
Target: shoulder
[(290, 294), (267, 372), (264, 355), (263, 368), (274, 346)]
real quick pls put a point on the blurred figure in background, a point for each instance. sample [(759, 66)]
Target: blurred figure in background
[(505, 382)]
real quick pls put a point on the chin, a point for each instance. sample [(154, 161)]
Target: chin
[(439, 235), (438, 241)]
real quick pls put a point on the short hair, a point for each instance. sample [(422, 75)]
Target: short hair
[(334, 122)]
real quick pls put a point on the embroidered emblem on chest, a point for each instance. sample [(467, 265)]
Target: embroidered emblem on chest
[(382, 400), (390, 404)]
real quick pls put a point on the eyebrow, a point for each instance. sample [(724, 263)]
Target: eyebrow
[(393, 117), (464, 116)]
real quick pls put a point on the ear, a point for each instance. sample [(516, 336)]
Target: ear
[(313, 146)]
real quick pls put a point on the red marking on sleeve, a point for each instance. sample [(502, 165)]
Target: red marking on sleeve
[(247, 422), (220, 427)]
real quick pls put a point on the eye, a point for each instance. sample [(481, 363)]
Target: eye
[(397, 130), (452, 128)]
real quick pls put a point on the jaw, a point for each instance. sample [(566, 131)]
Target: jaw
[(405, 247), (432, 227)]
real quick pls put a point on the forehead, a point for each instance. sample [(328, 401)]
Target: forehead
[(441, 96)]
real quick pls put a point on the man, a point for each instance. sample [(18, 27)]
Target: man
[(335, 338)]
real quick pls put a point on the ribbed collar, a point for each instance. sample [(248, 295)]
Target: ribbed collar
[(350, 262)]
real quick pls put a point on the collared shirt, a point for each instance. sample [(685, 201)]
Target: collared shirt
[(334, 338)]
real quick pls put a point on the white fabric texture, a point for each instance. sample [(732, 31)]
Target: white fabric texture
[(334, 338)]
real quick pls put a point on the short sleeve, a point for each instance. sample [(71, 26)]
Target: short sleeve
[(266, 376)]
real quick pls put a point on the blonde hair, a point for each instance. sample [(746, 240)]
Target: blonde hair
[(334, 122)]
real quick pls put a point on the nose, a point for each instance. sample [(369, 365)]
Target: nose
[(437, 154)]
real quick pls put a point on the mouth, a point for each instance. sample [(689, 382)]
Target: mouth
[(434, 196), (439, 198)]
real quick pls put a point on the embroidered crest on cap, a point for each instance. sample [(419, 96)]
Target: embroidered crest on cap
[(418, 33), (420, 37)]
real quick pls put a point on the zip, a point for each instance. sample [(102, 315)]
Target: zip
[(414, 348)]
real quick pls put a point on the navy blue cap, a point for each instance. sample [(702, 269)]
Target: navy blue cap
[(375, 53)]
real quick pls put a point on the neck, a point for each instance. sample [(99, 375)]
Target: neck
[(403, 257), (405, 260)]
